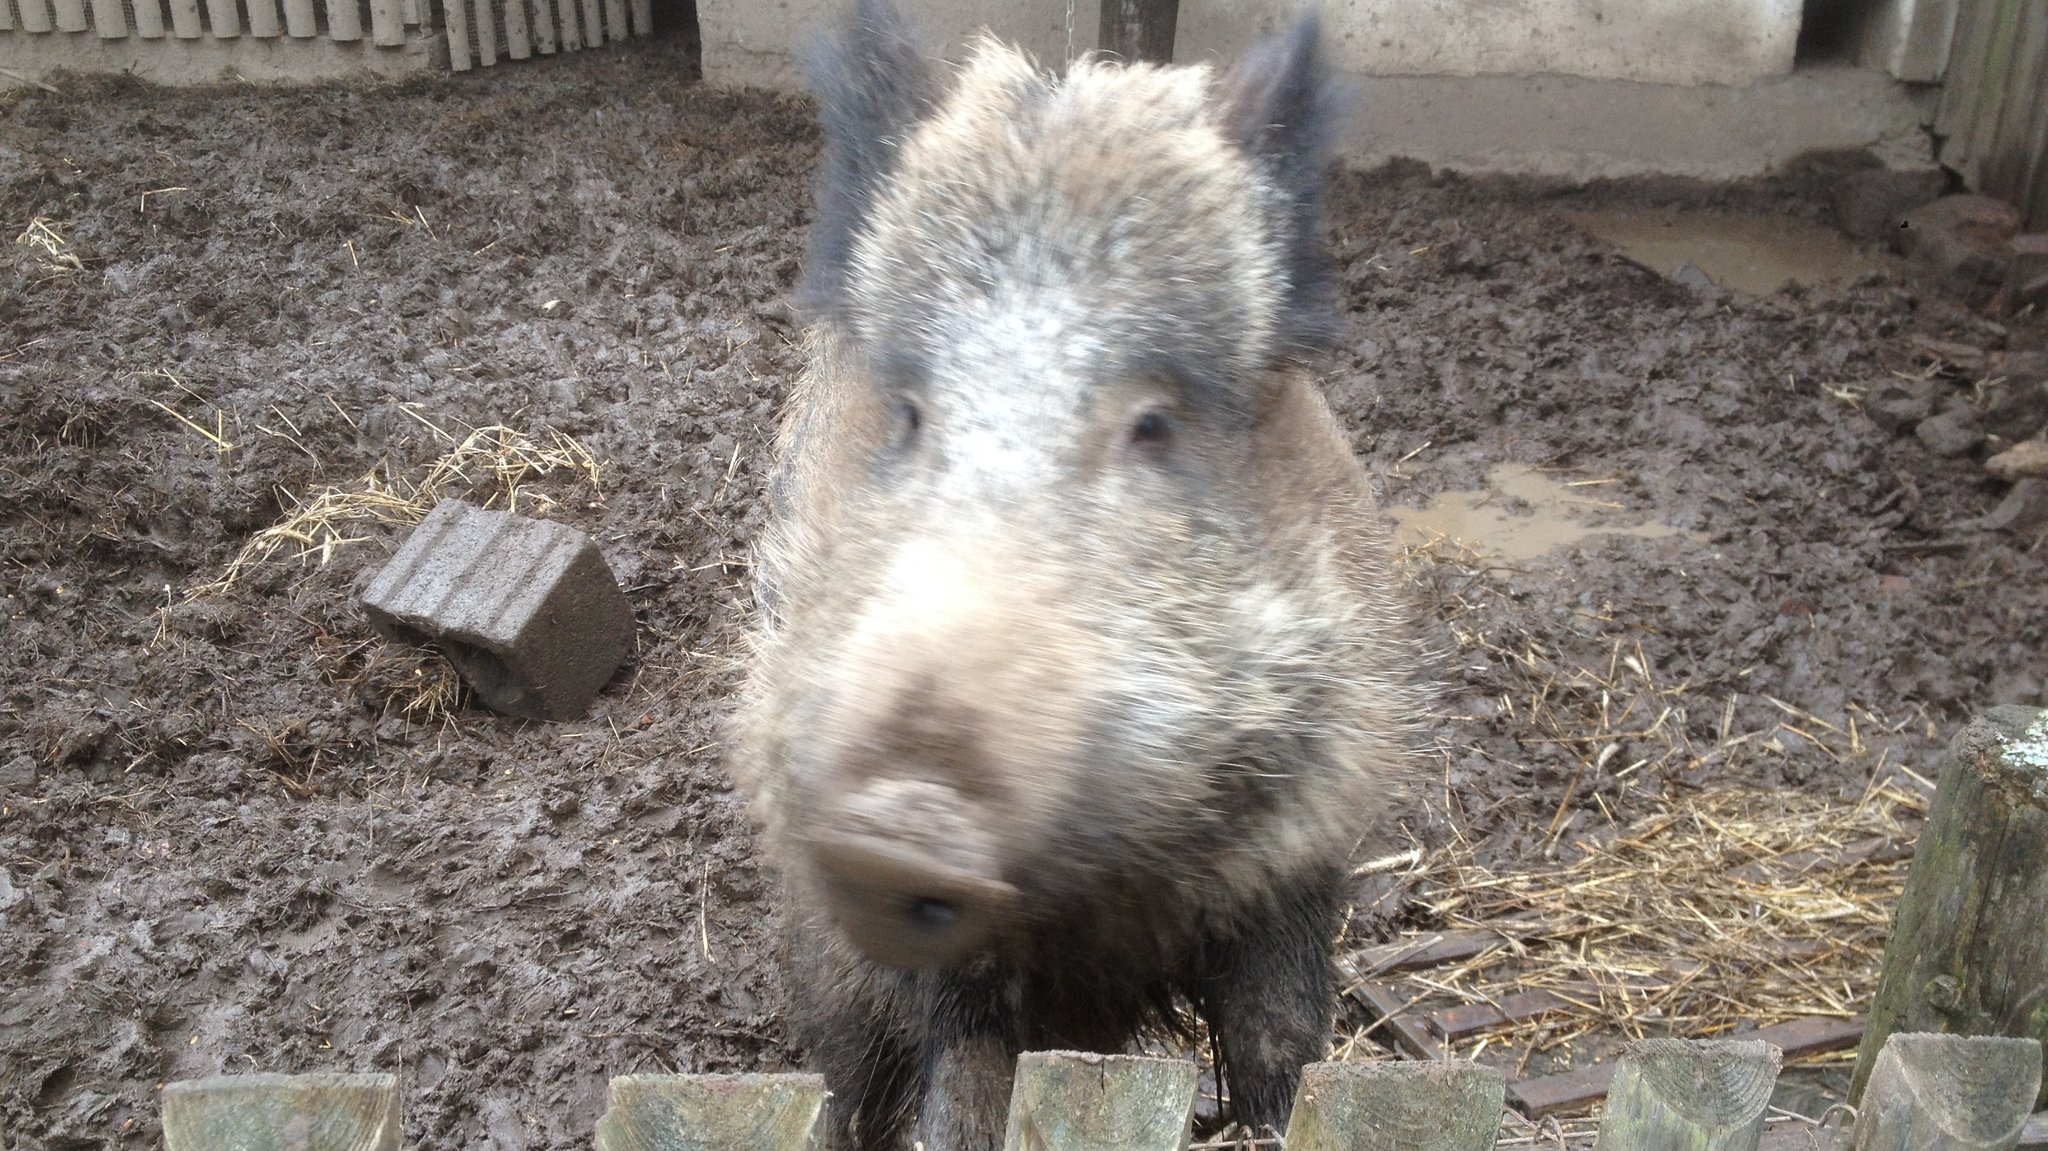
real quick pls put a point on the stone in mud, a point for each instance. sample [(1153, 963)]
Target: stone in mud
[(1899, 405), (2026, 278), (2023, 511), (525, 609), (1961, 240), (2023, 459), (1869, 204), (1955, 432)]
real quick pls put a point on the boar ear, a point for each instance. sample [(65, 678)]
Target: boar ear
[(872, 82), (1281, 107)]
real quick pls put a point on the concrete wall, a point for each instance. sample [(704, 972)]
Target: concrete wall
[(1652, 41)]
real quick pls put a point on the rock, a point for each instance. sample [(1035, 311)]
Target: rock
[(2026, 278), (2023, 511), (2031, 367), (1953, 356), (1869, 204), (1898, 406), (2023, 459), (1962, 241), (1955, 432), (17, 772), (1693, 276)]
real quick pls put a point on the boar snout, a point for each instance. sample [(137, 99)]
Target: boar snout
[(911, 874)]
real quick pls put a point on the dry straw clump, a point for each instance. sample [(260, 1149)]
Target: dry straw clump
[(1669, 911), (495, 466)]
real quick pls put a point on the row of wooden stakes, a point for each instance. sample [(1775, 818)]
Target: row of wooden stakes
[(1928, 1092)]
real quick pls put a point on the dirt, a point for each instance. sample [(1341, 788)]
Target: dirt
[(239, 833)]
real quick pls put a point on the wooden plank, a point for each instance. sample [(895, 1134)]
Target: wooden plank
[(1419, 952), (185, 23), (1385, 1106), (263, 21), (344, 21), (615, 21), (1454, 1022), (387, 23), (486, 33), (222, 19), (6, 16), (1688, 1095), (688, 1112), (2034, 1136), (544, 26), (572, 32), (593, 24), (643, 17), (1571, 1090), (1967, 953), (299, 21), (517, 44), (456, 12), (1972, 43), (70, 15), (107, 19), (2005, 161), (1070, 1101), (1948, 1093), (35, 16), (357, 1112), (1396, 1018), (1138, 30)]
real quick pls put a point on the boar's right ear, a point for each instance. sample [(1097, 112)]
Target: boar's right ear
[(1281, 106), (872, 82)]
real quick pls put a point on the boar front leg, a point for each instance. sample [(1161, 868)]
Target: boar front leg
[(970, 1059), (1268, 991)]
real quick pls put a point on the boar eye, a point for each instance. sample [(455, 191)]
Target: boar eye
[(1152, 429)]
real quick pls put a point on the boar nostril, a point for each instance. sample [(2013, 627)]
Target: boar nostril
[(934, 913)]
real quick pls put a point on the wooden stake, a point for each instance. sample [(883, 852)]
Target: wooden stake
[(1968, 954), (1070, 1101), (317, 1112), (1948, 1093), (1396, 1106), (714, 1113), (1689, 1095)]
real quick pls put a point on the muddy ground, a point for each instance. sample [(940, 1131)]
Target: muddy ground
[(239, 833)]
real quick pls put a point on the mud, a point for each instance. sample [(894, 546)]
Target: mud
[(226, 844)]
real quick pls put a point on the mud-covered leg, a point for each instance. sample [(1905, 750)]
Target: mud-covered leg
[(1268, 991), (971, 1059)]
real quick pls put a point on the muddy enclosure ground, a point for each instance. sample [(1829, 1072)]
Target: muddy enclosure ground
[(239, 832)]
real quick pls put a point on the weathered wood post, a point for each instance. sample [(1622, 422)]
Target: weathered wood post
[(1948, 1093), (1968, 953), (316, 1112), (1689, 1095), (1071, 1101), (1397, 1106), (1138, 29), (714, 1113)]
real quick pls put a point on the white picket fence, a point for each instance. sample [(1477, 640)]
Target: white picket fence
[(478, 32)]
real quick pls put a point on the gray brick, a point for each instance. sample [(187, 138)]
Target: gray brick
[(525, 609)]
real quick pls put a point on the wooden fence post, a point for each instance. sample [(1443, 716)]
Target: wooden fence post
[(1968, 954), (1689, 1095), (714, 1113), (1397, 1106), (316, 1112), (1138, 30), (1071, 1101), (1948, 1093)]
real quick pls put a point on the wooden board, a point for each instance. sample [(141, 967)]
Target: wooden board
[(107, 19), (572, 30), (593, 23), (517, 44), (1397, 1020), (222, 19), (35, 16), (70, 15), (387, 23), (298, 19), (457, 15), (263, 21), (344, 20), (1422, 951), (486, 33), (1570, 1090), (643, 17), (1454, 1022), (185, 23)]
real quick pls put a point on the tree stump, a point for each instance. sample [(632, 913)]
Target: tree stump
[(714, 1113), (317, 1112), (1968, 953), (1070, 1101), (1397, 1106), (1689, 1095), (1948, 1093)]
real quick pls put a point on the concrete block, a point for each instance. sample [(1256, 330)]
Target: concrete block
[(525, 609)]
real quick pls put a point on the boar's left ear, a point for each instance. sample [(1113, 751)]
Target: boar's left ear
[(873, 83), (1281, 107)]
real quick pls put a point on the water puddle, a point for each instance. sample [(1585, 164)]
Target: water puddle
[(1520, 515), (1753, 254)]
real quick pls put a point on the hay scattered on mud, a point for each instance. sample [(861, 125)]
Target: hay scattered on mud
[(496, 466), (48, 248)]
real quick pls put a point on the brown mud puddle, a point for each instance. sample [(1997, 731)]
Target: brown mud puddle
[(1521, 514), (1757, 255)]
